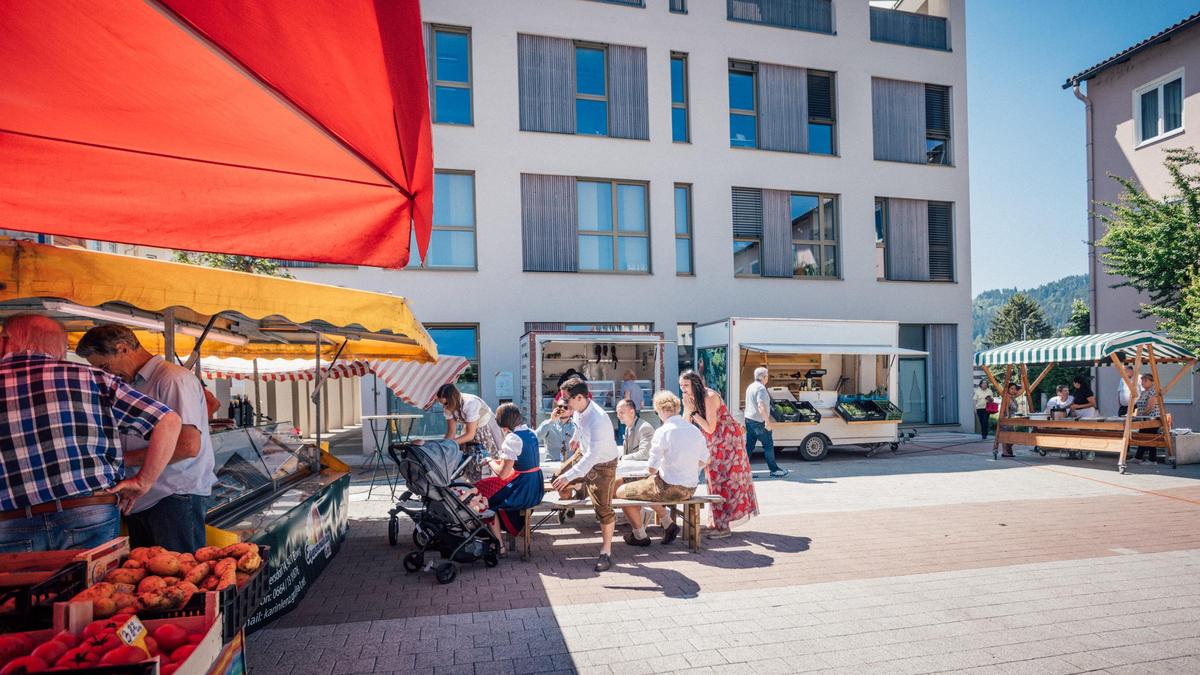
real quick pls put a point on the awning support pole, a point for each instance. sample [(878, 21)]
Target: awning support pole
[(257, 395), (316, 395), (1165, 424), (194, 357), (169, 335)]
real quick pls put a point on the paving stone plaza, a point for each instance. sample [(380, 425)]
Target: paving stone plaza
[(935, 559)]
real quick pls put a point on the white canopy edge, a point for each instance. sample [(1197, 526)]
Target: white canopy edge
[(864, 350)]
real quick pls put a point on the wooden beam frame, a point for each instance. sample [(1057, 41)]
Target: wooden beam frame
[(1162, 404), (1045, 372), (1003, 406)]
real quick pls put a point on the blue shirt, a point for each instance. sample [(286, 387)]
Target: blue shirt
[(59, 423), (180, 390), (555, 437)]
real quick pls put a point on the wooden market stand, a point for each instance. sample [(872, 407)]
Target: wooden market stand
[(1089, 434)]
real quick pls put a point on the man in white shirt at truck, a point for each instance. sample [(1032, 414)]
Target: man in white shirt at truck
[(597, 465)]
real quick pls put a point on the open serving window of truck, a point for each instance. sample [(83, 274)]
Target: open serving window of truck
[(832, 382), (602, 358)]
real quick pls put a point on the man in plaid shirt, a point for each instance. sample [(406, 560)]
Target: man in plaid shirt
[(61, 475)]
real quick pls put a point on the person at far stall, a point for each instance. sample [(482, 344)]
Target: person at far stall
[(1147, 406), (554, 433), (477, 421), (1084, 403), (172, 513), (983, 396), (638, 432), (65, 418), (678, 451), (728, 466), (1014, 407), (516, 482), (1124, 396), (1061, 400)]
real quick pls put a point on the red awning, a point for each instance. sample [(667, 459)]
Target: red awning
[(278, 128)]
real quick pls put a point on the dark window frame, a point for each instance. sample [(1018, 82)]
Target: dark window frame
[(473, 229), (603, 49), (687, 115), (616, 232), (688, 236), (830, 121), (745, 68), (941, 135), (820, 244), (677, 6), (434, 82)]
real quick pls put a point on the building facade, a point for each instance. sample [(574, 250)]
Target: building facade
[(1138, 103), (650, 165)]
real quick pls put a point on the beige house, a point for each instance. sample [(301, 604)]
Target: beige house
[(1138, 102)]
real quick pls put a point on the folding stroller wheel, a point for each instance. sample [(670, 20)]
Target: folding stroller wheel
[(393, 530), (491, 557), (414, 561), (420, 538), (446, 572)]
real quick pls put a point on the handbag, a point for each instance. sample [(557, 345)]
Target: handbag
[(992, 407)]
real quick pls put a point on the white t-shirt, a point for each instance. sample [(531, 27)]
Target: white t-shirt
[(473, 409), (1059, 402), (677, 451), (756, 393)]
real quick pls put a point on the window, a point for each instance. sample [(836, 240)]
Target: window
[(683, 230), (602, 327), (451, 75), (679, 6), (914, 240), (914, 390), (820, 113), (810, 15), (1158, 107), (679, 102), (784, 234), (613, 226), (937, 124), (631, 3), (910, 29), (452, 241), (591, 102), (685, 341), (452, 340), (743, 120), (814, 236)]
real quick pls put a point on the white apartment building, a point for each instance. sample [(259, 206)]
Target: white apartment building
[(653, 164)]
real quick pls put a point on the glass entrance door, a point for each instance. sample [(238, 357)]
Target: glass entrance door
[(913, 391)]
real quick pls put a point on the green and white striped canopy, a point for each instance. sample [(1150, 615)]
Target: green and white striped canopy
[(1082, 349)]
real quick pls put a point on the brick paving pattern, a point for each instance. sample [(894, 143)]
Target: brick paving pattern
[(933, 560)]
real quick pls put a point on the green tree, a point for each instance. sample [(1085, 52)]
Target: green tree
[(1019, 319), (1080, 322), (239, 263), (1154, 246)]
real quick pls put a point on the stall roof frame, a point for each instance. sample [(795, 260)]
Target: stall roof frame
[(1084, 349)]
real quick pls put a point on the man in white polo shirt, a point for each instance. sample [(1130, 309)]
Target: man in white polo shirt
[(171, 514), (677, 453), (597, 465)]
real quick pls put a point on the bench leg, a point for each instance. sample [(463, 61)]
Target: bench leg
[(693, 517), (527, 534)]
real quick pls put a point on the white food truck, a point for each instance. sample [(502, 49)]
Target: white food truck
[(832, 382), (602, 358)]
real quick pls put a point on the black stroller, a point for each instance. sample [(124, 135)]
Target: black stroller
[(441, 521)]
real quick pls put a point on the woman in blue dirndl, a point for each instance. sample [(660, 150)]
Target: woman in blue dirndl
[(517, 482)]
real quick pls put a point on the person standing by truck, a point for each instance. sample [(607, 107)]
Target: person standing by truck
[(758, 421)]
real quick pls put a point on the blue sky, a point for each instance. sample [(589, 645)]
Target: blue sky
[(1028, 172)]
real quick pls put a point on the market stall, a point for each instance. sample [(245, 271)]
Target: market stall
[(602, 358), (1091, 434), (831, 382), (273, 489)]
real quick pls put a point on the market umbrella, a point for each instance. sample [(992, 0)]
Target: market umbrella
[(291, 129)]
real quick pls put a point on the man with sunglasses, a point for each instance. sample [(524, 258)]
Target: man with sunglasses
[(554, 434), (62, 483)]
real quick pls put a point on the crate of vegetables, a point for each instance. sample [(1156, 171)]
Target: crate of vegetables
[(891, 411), (158, 584), (122, 644), (27, 595), (851, 411), (794, 411)]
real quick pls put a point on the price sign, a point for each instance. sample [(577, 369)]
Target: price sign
[(133, 633)]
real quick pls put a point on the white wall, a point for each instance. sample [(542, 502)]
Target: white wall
[(501, 297)]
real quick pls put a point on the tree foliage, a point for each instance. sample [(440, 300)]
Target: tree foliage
[(1080, 321), (1154, 246), (1056, 299), (239, 263), (1019, 319)]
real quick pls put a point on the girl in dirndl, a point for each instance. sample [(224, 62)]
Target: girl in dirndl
[(516, 482), (728, 469)]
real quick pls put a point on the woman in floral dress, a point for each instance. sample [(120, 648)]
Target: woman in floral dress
[(728, 468)]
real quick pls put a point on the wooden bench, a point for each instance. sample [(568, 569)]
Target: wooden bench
[(554, 506)]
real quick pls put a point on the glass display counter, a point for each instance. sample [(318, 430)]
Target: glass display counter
[(254, 464)]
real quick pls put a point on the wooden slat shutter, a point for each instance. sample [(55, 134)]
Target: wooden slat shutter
[(776, 234), (942, 341), (941, 241), (907, 240), (549, 224), (628, 113), (909, 29), (898, 112), (546, 83), (782, 108), (747, 212), (814, 15)]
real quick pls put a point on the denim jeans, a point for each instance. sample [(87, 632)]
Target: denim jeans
[(176, 523), (985, 420), (83, 527), (757, 431)]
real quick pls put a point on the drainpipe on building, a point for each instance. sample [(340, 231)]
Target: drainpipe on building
[(1091, 197)]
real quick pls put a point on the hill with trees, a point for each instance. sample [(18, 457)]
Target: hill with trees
[(1054, 298)]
